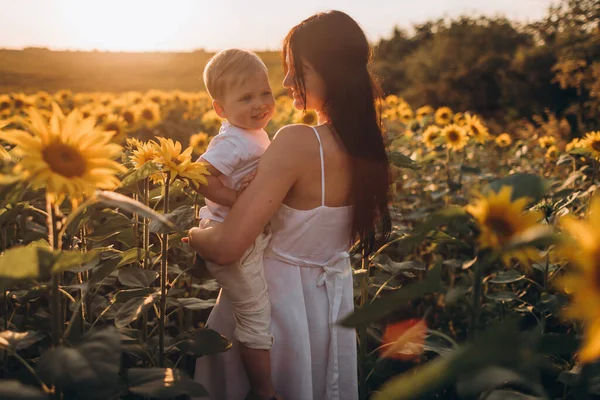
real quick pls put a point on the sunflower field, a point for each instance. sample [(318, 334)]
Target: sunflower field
[(488, 288)]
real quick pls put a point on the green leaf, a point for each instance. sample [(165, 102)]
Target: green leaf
[(531, 186), (136, 277), (510, 276), (193, 303), (442, 217), (133, 308), (66, 260), (21, 262), (380, 307), (510, 395), (402, 161), (127, 294), (536, 236), (104, 269), (149, 168), (130, 256), (114, 199), (182, 217), (163, 383), (90, 369), (491, 378), (502, 296), (205, 342), (19, 340), (15, 390)]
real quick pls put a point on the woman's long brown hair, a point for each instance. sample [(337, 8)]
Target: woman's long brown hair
[(336, 47)]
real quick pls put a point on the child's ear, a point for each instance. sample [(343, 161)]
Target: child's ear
[(219, 109)]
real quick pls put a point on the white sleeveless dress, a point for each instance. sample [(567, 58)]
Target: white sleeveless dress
[(309, 279)]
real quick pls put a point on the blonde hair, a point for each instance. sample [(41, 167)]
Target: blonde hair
[(229, 67)]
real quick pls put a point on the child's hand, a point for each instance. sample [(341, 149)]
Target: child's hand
[(190, 239), (246, 180)]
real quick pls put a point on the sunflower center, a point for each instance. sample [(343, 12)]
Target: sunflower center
[(128, 117), (500, 226), (596, 145), (112, 126), (453, 136), (147, 114), (64, 160)]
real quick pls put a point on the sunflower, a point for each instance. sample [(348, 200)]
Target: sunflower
[(179, 164), (63, 96), (551, 153), (130, 115), (546, 141), (211, 121), (456, 137), (476, 129), (392, 100), (431, 135), (199, 142), (575, 144), (592, 143), (309, 118), (42, 100), (149, 114), (501, 220), (405, 113), (68, 156), (20, 101), (5, 106), (143, 153), (115, 124), (459, 119), (424, 111), (133, 143), (443, 116), (503, 140), (583, 284)]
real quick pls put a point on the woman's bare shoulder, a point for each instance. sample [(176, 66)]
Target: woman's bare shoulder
[(297, 137)]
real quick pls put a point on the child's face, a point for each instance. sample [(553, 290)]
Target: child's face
[(249, 105)]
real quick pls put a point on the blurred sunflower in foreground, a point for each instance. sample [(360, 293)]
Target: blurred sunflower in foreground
[(69, 156), (583, 284), (456, 137), (501, 220), (178, 164)]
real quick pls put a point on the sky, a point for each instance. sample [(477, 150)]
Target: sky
[(186, 25)]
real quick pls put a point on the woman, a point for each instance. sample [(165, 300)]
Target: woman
[(321, 189)]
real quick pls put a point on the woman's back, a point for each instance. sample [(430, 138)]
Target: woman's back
[(315, 220)]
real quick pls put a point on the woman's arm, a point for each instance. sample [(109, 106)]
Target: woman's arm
[(278, 171), (214, 191)]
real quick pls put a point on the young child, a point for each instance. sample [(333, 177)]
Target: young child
[(238, 83)]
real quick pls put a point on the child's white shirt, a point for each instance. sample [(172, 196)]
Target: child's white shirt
[(235, 152)]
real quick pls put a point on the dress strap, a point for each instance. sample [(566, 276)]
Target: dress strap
[(322, 167)]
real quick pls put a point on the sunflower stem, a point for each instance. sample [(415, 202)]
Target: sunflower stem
[(146, 247), (55, 298), (362, 332), (163, 282), (483, 260)]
